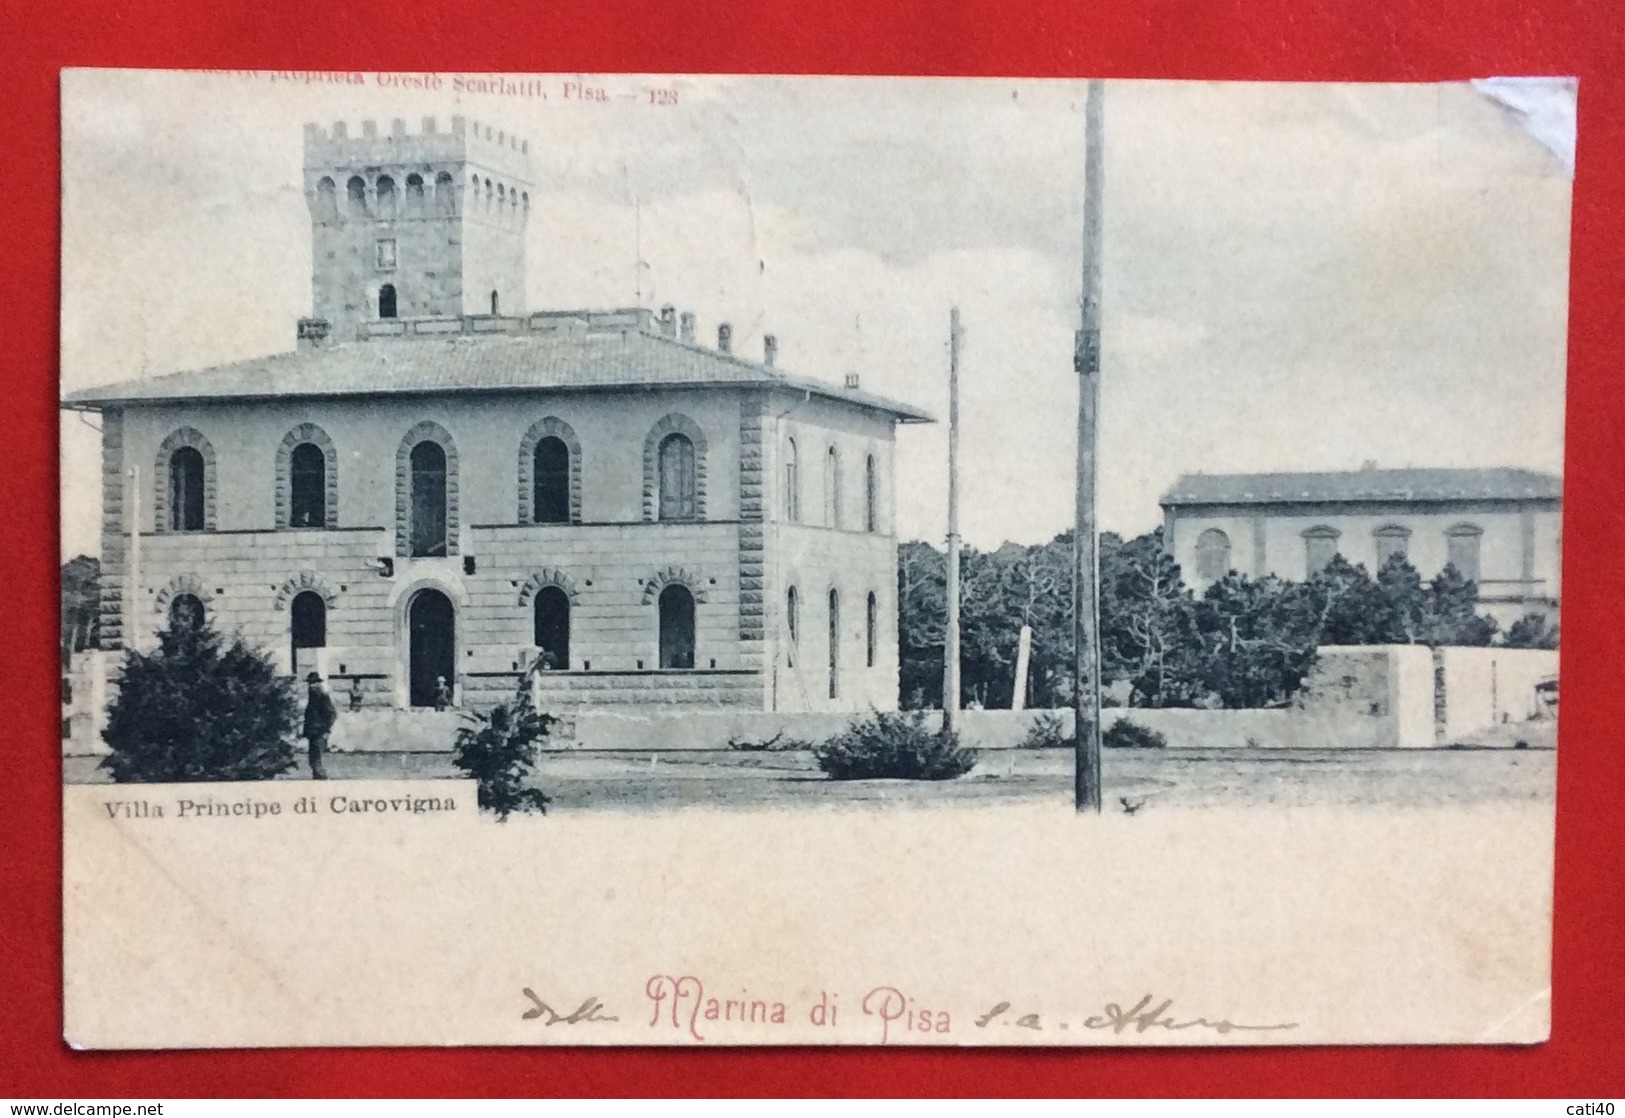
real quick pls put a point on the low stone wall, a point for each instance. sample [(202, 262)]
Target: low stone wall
[(981, 729)]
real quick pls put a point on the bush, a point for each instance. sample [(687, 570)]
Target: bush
[(896, 746), (1046, 732), (1124, 734), (498, 749), (197, 709)]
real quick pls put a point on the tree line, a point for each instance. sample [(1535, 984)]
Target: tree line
[(1243, 643)]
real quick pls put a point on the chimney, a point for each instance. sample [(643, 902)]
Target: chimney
[(668, 321), (685, 327), (852, 382), (725, 338), (770, 350)]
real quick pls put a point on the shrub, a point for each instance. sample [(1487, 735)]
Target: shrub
[(1124, 734), (898, 746), (498, 749), (198, 709), (1046, 732)]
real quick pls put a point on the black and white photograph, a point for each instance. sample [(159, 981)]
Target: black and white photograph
[(682, 560)]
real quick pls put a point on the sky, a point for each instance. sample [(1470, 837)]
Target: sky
[(1295, 277)]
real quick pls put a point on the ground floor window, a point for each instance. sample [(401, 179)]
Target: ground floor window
[(186, 612), (552, 621), (834, 644), (308, 626)]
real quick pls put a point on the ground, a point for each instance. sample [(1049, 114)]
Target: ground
[(1135, 779)]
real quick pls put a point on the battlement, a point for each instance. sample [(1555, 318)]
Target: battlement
[(466, 141)]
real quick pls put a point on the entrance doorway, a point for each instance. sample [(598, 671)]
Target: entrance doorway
[(676, 627), (432, 631), (309, 630)]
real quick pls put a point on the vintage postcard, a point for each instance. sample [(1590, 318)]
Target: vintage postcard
[(570, 559)]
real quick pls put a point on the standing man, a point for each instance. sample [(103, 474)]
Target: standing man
[(319, 718)]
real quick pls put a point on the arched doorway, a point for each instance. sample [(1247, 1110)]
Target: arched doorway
[(552, 607), (676, 627), (386, 301), (431, 625), (308, 626)]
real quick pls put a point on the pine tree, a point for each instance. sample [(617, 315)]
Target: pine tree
[(1452, 614), (198, 709)]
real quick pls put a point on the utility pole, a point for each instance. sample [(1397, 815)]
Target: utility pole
[(950, 650), (1085, 542)]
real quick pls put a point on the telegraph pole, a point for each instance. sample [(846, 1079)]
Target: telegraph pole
[(950, 649), (1085, 543)]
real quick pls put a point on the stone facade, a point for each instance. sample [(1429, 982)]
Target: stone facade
[(445, 402), (437, 216), (612, 559), (1502, 528)]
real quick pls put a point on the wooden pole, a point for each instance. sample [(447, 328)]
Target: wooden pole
[(950, 650), (1024, 655), (1086, 552)]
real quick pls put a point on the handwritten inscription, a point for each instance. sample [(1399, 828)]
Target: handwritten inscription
[(1143, 1016), (683, 1008), (590, 1011)]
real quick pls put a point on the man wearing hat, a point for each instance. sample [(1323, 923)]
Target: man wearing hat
[(320, 715)]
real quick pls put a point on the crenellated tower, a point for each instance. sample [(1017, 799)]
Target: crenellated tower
[(413, 225)]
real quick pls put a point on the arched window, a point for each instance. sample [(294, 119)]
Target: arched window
[(307, 487), (677, 478), (186, 502), (493, 301), (1464, 543), (427, 519), (792, 625), (552, 607), (551, 498), (792, 482), (386, 196), (186, 612), (832, 488), (386, 301), (1212, 555), (308, 628), (676, 627), (428, 536), (1319, 548), (489, 194), (356, 190), (445, 194), (327, 200), (834, 644), (871, 628), (414, 195), (871, 495), (1391, 540)]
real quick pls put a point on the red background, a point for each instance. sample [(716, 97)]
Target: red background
[(1380, 40)]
